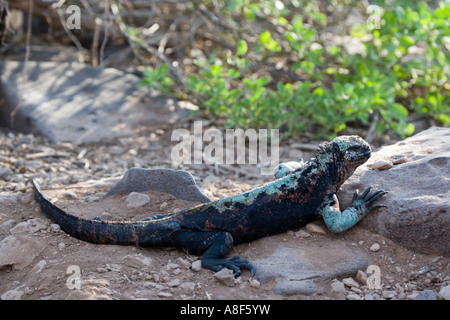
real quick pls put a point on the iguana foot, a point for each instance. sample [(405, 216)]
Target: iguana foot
[(362, 202), (235, 263)]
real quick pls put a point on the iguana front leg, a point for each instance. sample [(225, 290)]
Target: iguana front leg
[(339, 221)]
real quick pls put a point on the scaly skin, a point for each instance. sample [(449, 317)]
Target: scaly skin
[(301, 194)]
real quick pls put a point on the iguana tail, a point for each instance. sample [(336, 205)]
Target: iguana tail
[(142, 233)]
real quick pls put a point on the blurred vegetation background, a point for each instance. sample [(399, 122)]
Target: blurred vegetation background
[(312, 68)]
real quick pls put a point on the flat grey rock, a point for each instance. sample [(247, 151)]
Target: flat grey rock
[(304, 268), (68, 101), (418, 213), (179, 183)]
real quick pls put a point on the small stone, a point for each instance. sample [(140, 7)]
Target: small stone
[(172, 266), (163, 294), (349, 282), (163, 206), (21, 227), (174, 283), (353, 296), (389, 294), (8, 224), (176, 271), (361, 276), (5, 173), (4, 198), (183, 262), (225, 276), (136, 199), (375, 247), (91, 199), (369, 296), (315, 228), (188, 286), (40, 266), (138, 261), (338, 290), (254, 283), (196, 265), (382, 165), (14, 294), (71, 195), (445, 292), (20, 187), (55, 227), (426, 295), (398, 159), (302, 234)]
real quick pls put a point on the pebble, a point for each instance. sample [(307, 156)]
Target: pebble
[(188, 286), (71, 195), (361, 276), (315, 228), (21, 227), (382, 165), (136, 199), (90, 199), (163, 206), (196, 265), (254, 283), (353, 296), (138, 261), (302, 234), (55, 227), (349, 282), (225, 276), (338, 290), (445, 292), (375, 247), (174, 283), (172, 266), (399, 159), (163, 294), (389, 294), (14, 294), (8, 224), (5, 173), (183, 262), (426, 295)]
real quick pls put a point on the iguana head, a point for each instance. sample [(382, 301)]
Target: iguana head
[(343, 155)]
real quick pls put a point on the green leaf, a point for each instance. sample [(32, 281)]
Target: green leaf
[(233, 73), (216, 70), (398, 111), (318, 91), (241, 48)]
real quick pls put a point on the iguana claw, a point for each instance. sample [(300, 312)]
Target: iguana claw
[(235, 263), (362, 202)]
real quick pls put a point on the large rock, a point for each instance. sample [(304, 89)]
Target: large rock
[(418, 213), (305, 268), (179, 183), (68, 101), (19, 251)]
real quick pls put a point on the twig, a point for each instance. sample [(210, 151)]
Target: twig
[(372, 132), (132, 40), (26, 59), (106, 32)]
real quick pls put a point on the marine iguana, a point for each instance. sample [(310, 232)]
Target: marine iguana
[(301, 193)]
